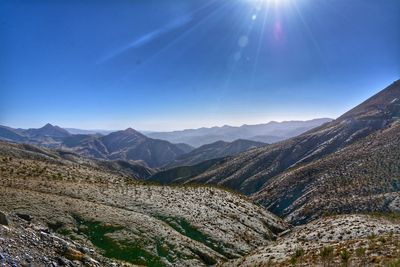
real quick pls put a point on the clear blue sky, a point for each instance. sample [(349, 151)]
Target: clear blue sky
[(162, 65)]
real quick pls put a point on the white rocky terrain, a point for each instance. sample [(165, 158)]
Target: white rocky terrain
[(128, 220), (355, 240), (23, 243)]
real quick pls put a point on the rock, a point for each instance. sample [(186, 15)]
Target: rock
[(62, 261), (84, 250), (90, 262), (25, 217), (73, 254), (3, 219)]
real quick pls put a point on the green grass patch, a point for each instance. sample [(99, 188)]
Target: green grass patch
[(393, 216), (182, 226), (120, 250)]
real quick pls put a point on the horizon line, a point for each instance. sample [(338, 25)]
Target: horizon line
[(175, 130)]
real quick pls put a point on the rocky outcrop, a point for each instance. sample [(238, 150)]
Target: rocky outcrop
[(23, 244)]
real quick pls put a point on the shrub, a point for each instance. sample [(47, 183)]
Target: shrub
[(360, 252), (345, 256), (295, 257), (394, 263), (326, 254)]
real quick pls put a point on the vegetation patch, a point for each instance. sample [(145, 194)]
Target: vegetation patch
[(392, 216), (121, 250), (182, 226)]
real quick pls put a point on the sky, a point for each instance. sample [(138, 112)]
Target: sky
[(167, 65)]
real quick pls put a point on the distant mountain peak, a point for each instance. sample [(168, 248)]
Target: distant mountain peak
[(48, 130), (49, 126), (132, 131)]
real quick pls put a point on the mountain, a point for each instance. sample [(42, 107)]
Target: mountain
[(288, 177), (132, 145), (214, 150), (127, 145), (46, 131), (87, 210), (48, 135), (267, 133), (10, 134), (362, 177)]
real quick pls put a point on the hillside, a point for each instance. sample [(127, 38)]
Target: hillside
[(127, 220), (267, 133), (181, 174), (9, 134), (214, 150), (362, 177), (24, 243), (346, 240)]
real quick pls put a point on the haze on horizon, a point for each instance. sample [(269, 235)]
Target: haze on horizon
[(170, 65)]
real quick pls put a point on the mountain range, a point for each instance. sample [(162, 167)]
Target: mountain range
[(270, 132), (131, 145), (128, 145)]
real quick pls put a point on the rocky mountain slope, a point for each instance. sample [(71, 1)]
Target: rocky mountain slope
[(10, 134), (267, 133), (214, 150), (273, 174), (23, 243), (364, 176), (181, 174), (346, 240), (126, 220)]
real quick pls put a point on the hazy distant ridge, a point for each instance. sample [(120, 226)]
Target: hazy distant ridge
[(270, 132)]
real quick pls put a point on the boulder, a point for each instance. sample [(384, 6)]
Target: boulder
[(73, 254)]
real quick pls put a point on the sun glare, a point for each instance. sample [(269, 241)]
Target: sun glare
[(275, 2)]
